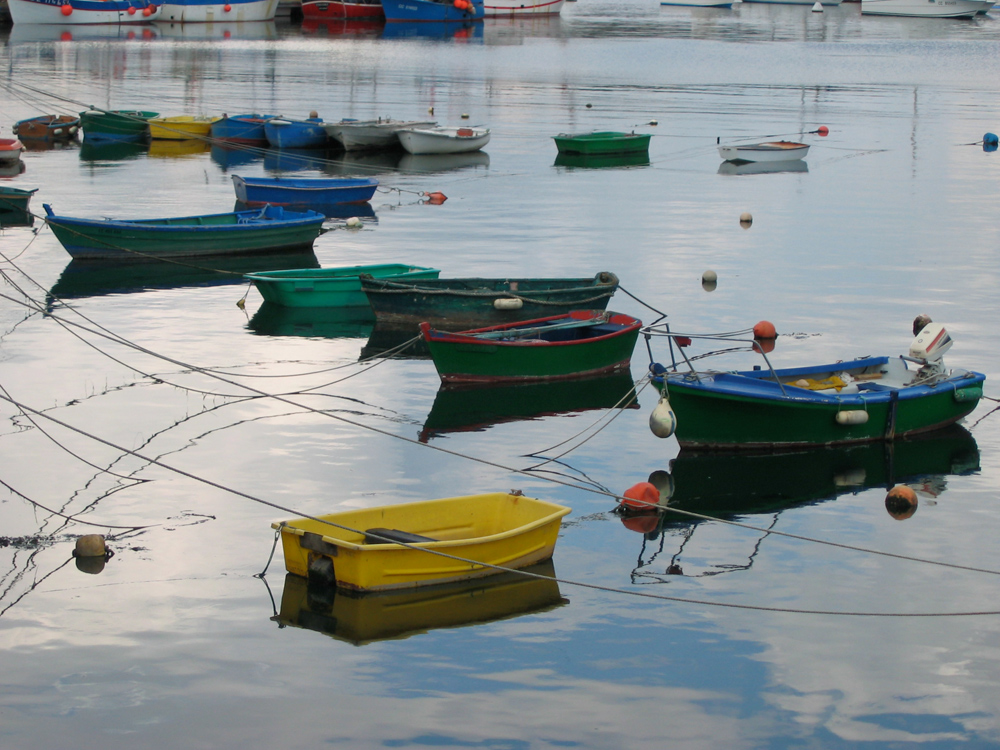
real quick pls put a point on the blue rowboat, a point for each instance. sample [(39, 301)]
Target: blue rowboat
[(247, 129), (433, 10), (268, 230), (282, 133), (303, 191), (330, 287)]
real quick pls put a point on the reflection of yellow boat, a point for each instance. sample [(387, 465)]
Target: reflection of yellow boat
[(178, 149), (363, 618), (353, 548), (181, 127)]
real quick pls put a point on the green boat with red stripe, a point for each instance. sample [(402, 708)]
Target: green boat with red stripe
[(577, 344)]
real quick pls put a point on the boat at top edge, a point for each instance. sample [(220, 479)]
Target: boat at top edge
[(855, 401), (361, 552), (433, 10), (602, 142), (765, 152), (207, 11), (75, 12), (926, 8), (464, 303), (266, 230), (334, 10), (329, 287), (577, 344), (518, 9)]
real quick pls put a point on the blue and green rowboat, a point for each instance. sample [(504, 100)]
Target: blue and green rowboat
[(330, 287), (577, 344), (116, 125), (859, 401), (270, 229), (462, 304)]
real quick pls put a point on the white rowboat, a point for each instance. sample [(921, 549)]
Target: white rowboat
[(926, 8), (771, 151), (443, 140), (359, 135)]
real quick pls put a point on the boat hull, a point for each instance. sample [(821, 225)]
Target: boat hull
[(83, 11), (462, 304), (247, 129), (602, 346), (507, 8), (429, 10), (10, 150), (602, 143), (48, 128), (795, 2), (443, 140), (326, 10), (277, 191), (367, 135), (117, 125), (211, 11), (267, 230), (180, 128), (329, 287), (926, 8), (291, 134), (14, 211), (716, 412), (765, 152), (508, 530)]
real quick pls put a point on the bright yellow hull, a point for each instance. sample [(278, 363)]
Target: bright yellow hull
[(180, 128)]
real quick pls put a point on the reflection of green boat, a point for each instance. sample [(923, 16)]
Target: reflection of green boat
[(386, 340), (364, 618), (99, 151), (459, 409), (88, 279), (14, 210), (727, 484), (602, 142), (597, 161), (314, 322)]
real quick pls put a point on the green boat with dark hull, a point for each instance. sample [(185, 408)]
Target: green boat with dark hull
[(115, 125), (270, 229), (578, 344), (461, 304), (602, 143), (14, 211)]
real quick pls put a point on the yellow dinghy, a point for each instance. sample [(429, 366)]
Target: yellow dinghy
[(181, 127), (505, 529)]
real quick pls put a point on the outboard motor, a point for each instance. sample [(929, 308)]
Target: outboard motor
[(928, 348)]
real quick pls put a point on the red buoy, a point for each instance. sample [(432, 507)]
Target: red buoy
[(436, 199), (131, 10), (823, 130), (682, 341), (66, 10), (227, 7), (147, 11), (641, 496), (764, 330), (66, 36)]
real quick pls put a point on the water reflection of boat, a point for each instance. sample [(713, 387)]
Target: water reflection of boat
[(105, 151), (356, 27), (28, 33), (89, 279), (599, 161), (727, 485), (15, 207), (762, 167), (429, 163), (365, 618), (351, 163), (433, 30), (214, 30), (164, 149), (232, 157), (388, 339), (474, 409), (294, 159), (313, 322)]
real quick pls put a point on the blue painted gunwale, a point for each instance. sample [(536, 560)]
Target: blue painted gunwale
[(430, 10), (303, 191), (282, 133)]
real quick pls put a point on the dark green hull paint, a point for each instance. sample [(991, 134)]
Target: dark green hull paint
[(713, 420), (118, 125), (602, 143)]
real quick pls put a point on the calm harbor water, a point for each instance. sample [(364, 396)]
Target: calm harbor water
[(175, 643)]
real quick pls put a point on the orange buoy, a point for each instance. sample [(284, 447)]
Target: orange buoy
[(765, 346), (901, 502), (823, 130), (460, 4), (66, 36), (641, 496), (66, 10), (682, 341), (764, 330), (147, 11), (643, 523), (131, 10), (436, 199), (227, 7)]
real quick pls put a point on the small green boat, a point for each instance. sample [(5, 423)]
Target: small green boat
[(271, 229), (116, 125), (603, 142), (330, 287), (578, 344), (462, 304), (14, 210)]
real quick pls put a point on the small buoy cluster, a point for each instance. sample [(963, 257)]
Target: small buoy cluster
[(901, 502)]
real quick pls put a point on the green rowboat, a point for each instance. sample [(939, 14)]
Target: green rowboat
[(116, 125), (605, 142), (14, 210), (573, 345), (330, 287)]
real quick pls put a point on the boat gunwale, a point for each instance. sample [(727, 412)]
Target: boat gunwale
[(469, 338)]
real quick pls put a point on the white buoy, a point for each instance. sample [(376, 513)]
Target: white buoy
[(854, 416), (355, 223), (465, 115), (663, 421), (817, 7), (654, 122), (746, 219), (508, 303), (710, 276)]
